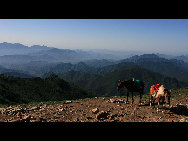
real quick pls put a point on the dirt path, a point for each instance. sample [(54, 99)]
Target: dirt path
[(98, 110)]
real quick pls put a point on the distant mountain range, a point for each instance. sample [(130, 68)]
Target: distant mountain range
[(148, 67), (17, 48), (169, 67), (182, 57), (40, 61), (94, 70), (20, 54), (35, 66)]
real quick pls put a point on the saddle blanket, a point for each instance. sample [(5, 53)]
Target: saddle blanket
[(138, 84)]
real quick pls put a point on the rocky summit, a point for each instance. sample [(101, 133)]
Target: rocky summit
[(98, 110)]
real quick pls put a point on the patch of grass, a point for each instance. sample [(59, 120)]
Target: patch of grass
[(179, 92), (174, 94), (34, 104), (3, 106)]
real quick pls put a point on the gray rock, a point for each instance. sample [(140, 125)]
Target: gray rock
[(67, 102), (95, 110)]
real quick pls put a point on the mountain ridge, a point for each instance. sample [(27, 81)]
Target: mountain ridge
[(107, 83)]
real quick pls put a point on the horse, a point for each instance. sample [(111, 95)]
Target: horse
[(132, 86), (161, 94)]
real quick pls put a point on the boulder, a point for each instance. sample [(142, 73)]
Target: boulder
[(183, 120), (116, 101), (102, 115), (112, 100), (26, 118), (67, 102), (95, 110), (2, 109)]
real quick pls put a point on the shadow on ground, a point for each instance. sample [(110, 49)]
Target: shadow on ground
[(179, 110)]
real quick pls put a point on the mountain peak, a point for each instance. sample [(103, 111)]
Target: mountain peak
[(144, 56), (12, 45), (149, 56)]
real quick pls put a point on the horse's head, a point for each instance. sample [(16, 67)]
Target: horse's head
[(120, 85)]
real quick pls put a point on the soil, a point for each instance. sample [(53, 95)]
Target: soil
[(99, 110)]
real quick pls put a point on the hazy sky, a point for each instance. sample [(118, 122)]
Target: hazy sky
[(152, 35)]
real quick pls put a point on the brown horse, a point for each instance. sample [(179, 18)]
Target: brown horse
[(132, 86), (161, 94)]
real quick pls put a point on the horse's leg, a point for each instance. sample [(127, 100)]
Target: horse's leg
[(132, 98), (150, 99), (153, 101), (158, 104), (140, 96), (163, 98), (127, 97), (167, 101)]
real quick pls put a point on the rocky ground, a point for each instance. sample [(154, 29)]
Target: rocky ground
[(112, 109)]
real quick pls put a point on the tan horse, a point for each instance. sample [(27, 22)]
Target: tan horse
[(161, 94)]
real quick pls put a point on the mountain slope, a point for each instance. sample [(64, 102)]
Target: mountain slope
[(107, 83), (169, 67), (11, 72), (15, 90)]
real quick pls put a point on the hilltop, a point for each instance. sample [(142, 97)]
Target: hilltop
[(99, 109)]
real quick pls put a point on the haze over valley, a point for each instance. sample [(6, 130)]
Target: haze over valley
[(86, 67)]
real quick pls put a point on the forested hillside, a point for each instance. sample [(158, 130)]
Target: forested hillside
[(14, 90), (107, 83), (169, 67)]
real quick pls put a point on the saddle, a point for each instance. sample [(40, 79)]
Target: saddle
[(155, 89)]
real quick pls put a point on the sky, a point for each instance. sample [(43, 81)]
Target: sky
[(148, 35)]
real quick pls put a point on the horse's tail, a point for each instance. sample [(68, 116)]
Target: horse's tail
[(168, 92), (167, 95)]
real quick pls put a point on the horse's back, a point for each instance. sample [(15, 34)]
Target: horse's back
[(139, 84), (161, 91)]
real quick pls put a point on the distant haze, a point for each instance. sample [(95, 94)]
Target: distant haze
[(168, 36)]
